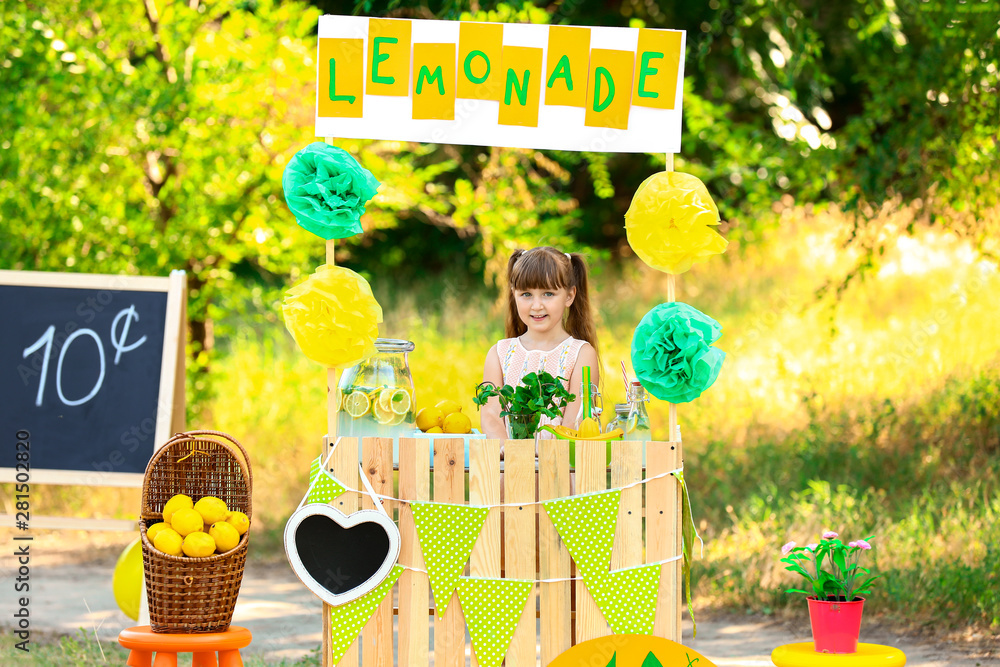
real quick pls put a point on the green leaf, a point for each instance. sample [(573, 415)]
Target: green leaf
[(651, 661)]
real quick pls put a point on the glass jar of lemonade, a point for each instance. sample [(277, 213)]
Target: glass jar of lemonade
[(376, 395)]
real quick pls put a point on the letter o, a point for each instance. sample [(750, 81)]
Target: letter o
[(467, 67)]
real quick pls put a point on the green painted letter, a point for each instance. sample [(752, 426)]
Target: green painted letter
[(522, 89), (425, 75), (379, 57), (334, 97), (646, 70), (561, 72), (468, 67), (598, 74)]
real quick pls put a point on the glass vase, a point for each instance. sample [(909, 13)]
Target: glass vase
[(377, 398)]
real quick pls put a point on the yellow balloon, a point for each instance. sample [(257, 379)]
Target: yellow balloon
[(333, 316), (668, 223), (126, 581)]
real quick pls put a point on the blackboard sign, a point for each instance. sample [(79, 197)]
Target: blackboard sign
[(91, 374)]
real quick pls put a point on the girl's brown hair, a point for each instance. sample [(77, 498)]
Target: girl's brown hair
[(547, 268)]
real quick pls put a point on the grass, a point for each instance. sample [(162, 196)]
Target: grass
[(82, 650), (875, 413)]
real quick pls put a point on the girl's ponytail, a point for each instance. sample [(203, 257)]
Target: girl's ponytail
[(579, 320), (513, 326)]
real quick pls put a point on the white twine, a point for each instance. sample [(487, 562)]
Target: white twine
[(556, 581)]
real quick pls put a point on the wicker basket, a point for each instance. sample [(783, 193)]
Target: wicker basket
[(193, 595)]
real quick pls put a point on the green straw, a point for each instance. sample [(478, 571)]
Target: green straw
[(586, 392)]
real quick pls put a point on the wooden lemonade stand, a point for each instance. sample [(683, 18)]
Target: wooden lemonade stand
[(518, 540)]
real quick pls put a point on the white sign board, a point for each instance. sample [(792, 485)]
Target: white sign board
[(500, 84)]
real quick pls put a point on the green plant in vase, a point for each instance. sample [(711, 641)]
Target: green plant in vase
[(523, 406)]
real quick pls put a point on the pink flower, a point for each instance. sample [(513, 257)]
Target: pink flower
[(853, 544), (864, 545), (787, 548), (812, 547), (829, 535)]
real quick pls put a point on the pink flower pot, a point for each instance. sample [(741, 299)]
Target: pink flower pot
[(835, 625)]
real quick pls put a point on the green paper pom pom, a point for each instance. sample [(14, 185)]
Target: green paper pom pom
[(672, 352), (326, 189)]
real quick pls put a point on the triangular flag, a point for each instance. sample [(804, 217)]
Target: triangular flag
[(493, 608), (447, 533), (347, 620), (627, 598), (323, 487), (587, 525)]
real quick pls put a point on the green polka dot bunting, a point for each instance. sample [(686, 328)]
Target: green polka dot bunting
[(627, 598), (346, 621), (587, 525), (447, 533), (323, 488), (493, 608)]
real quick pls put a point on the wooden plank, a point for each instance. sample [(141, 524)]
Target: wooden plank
[(376, 637), (86, 280), (663, 534), (519, 541), (626, 468), (343, 466), (449, 487), (414, 624), (554, 561), (591, 467), (484, 489)]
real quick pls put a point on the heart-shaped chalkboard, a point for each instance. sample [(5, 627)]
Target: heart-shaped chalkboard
[(340, 557)]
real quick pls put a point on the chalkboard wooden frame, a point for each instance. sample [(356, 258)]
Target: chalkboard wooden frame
[(170, 416)]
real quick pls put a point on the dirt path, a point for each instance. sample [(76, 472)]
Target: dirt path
[(284, 616)]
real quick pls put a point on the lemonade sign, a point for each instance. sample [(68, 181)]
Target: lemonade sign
[(500, 84)]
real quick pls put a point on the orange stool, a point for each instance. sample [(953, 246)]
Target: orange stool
[(869, 655), (142, 642)]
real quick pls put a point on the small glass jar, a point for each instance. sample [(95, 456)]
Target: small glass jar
[(620, 419), (377, 398), (637, 422)]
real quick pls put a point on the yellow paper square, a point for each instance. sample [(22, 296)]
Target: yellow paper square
[(566, 66), (609, 88), (522, 76), (479, 55), (341, 77), (657, 60), (388, 57), (434, 81)]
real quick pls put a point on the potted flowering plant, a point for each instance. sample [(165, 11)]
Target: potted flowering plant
[(837, 582)]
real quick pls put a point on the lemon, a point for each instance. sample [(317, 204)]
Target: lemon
[(239, 521), (178, 502), (434, 429), (198, 545), (429, 417), (338, 399), (156, 528), (168, 541), (400, 402), (386, 417), (357, 404), (449, 406), (225, 535), (456, 422), (211, 509), (187, 521)]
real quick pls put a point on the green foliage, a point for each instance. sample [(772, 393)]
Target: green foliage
[(537, 394)]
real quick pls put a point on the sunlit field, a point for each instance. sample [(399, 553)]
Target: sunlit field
[(872, 413)]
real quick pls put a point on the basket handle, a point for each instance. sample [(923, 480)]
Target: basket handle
[(187, 435)]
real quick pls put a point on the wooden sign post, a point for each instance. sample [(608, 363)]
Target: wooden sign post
[(91, 378)]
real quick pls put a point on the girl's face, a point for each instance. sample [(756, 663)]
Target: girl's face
[(541, 309)]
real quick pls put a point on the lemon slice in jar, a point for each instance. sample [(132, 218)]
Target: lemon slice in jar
[(386, 417), (338, 399), (357, 404), (400, 402)]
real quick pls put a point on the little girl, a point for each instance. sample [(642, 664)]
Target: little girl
[(549, 328)]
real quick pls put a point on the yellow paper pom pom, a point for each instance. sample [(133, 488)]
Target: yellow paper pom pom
[(668, 223), (333, 316)]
